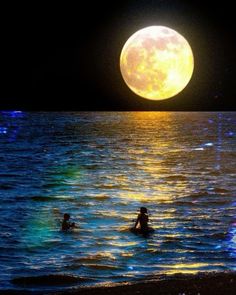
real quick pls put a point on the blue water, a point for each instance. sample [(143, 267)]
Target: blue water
[(100, 168)]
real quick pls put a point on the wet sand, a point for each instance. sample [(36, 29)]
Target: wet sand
[(210, 284)]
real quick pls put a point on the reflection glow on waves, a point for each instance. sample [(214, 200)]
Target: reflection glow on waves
[(101, 167)]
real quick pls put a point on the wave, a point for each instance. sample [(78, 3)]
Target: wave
[(8, 175), (202, 202), (214, 173), (94, 258), (176, 177), (42, 199), (99, 197), (46, 280), (110, 186), (101, 266), (198, 194), (7, 186), (54, 184), (221, 190), (215, 193), (220, 236), (91, 166), (50, 198)]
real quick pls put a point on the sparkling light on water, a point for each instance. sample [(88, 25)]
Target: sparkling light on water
[(100, 168)]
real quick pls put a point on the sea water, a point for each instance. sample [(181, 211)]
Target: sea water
[(100, 167)]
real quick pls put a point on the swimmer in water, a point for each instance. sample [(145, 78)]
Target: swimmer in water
[(141, 224), (66, 225)]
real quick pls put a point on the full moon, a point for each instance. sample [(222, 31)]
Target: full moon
[(156, 62)]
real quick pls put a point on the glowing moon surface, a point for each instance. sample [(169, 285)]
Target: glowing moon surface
[(156, 62)]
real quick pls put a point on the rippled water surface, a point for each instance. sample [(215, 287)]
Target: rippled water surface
[(100, 168)]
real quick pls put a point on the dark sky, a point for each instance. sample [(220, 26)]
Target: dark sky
[(65, 57)]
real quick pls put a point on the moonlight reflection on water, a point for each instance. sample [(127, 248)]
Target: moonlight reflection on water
[(100, 168)]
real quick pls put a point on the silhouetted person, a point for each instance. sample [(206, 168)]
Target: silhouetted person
[(141, 224), (66, 225), (142, 219)]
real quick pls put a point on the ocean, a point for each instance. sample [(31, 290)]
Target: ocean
[(101, 167)]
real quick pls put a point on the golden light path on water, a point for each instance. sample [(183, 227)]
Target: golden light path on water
[(153, 162)]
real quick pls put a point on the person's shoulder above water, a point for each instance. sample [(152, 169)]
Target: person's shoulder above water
[(141, 224), (66, 225)]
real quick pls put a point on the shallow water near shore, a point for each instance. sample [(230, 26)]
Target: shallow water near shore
[(100, 168)]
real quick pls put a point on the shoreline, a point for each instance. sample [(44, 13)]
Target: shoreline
[(197, 284)]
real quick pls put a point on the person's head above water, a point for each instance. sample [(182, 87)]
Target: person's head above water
[(143, 210), (66, 216)]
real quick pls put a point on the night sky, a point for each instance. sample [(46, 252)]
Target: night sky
[(65, 57)]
